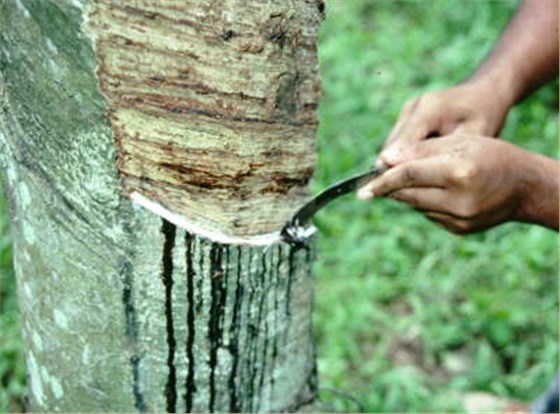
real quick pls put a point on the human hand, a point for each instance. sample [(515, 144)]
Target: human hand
[(473, 107), (469, 183)]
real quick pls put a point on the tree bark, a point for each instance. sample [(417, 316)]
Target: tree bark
[(207, 112)]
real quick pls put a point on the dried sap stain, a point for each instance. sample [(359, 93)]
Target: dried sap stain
[(168, 230), (217, 312), (260, 285), (190, 386), (235, 404)]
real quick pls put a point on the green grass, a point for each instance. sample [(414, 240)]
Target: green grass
[(407, 316), (398, 300)]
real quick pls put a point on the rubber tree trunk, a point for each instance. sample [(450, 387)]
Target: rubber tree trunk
[(205, 112)]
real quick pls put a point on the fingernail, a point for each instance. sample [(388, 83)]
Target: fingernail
[(365, 194)]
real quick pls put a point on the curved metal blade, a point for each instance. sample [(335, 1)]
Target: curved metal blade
[(308, 210)]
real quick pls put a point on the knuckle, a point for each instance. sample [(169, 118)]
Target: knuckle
[(465, 173), (407, 176)]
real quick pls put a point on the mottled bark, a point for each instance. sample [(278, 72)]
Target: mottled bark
[(122, 310)]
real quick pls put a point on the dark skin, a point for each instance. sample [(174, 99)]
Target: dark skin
[(465, 179)]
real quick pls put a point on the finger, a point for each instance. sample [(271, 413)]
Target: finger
[(426, 172), (451, 223), (409, 127), (409, 115), (442, 147), (424, 199), (407, 109), (409, 131), (422, 118)]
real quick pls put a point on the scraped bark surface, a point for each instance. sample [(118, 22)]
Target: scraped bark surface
[(212, 105)]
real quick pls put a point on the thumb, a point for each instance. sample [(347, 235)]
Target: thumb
[(427, 172), (399, 154)]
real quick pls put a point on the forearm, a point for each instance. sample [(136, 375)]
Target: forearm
[(526, 56), (540, 195)]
